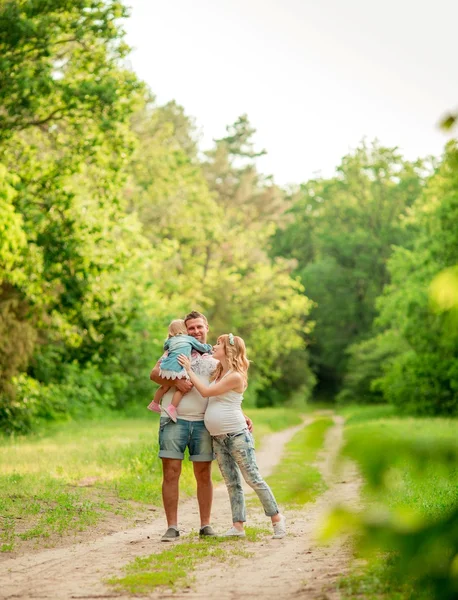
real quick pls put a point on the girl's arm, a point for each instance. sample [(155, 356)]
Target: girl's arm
[(232, 382), (202, 348)]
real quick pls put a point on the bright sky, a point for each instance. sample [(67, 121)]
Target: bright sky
[(314, 76)]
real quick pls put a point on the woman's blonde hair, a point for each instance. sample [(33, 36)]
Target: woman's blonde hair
[(235, 351), (177, 327)]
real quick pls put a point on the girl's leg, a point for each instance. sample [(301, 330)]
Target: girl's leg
[(154, 404), (160, 392), (177, 396), (233, 480), (245, 457)]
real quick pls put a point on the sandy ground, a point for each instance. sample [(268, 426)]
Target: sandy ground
[(294, 567)]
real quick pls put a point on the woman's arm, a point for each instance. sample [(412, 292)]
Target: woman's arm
[(233, 381)]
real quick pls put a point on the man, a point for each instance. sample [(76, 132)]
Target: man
[(189, 431)]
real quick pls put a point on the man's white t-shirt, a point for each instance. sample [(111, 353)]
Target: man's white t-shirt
[(192, 406)]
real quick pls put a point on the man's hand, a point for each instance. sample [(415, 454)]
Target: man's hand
[(249, 423), (184, 385)]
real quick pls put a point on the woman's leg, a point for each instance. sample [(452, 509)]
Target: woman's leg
[(243, 453), (233, 480)]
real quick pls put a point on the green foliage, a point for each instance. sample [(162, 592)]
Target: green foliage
[(66, 102), (418, 307), (409, 466), (377, 581), (251, 293), (341, 232), (59, 61), (112, 225), (366, 362)]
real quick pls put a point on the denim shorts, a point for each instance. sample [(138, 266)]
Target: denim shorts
[(175, 437)]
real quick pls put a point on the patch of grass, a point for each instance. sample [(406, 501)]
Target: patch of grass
[(173, 568), (375, 582), (357, 413), (272, 419), (420, 486), (36, 506), (295, 481), (42, 477), (425, 490)]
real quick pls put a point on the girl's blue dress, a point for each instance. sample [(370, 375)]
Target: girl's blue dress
[(181, 344)]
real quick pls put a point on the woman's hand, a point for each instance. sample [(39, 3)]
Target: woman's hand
[(185, 362)]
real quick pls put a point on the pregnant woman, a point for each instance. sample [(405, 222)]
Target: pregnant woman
[(232, 442)]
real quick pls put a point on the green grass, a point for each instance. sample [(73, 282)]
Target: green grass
[(356, 413), (174, 567), (426, 489), (420, 486), (296, 480), (37, 506), (73, 475), (269, 420), (40, 478), (375, 582)]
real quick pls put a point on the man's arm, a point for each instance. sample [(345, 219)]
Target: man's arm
[(184, 385), (249, 423)]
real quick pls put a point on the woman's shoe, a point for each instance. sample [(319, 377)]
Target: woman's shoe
[(279, 528), (233, 532)]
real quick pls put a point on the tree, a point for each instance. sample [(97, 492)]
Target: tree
[(423, 378), (66, 102), (341, 232), (249, 292)]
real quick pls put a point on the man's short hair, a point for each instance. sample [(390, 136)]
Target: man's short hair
[(195, 314)]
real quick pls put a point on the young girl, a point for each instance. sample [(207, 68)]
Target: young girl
[(232, 442), (177, 343)]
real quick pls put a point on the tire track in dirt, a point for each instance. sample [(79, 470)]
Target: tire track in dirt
[(295, 567)]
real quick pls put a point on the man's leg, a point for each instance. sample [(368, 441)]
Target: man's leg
[(201, 454), (172, 443), (202, 473), (171, 469)]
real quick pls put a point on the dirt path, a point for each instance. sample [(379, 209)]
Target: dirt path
[(295, 567)]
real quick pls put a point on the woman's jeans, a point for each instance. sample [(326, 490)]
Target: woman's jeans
[(235, 454)]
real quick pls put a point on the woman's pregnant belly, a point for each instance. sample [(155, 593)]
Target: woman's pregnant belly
[(224, 417)]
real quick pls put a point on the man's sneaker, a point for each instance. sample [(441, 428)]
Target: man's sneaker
[(172, 412), (233, 532), (207, 530), (279, 528), (170, 535), (154, 406)]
